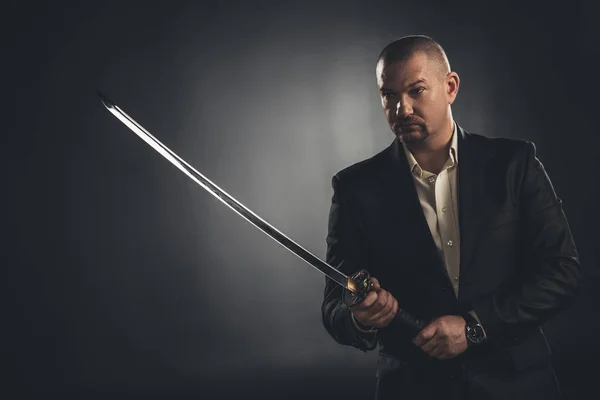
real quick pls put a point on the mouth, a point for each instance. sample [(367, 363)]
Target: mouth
[(408, 127)]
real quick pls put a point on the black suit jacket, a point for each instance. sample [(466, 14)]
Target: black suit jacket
[(518, 261)]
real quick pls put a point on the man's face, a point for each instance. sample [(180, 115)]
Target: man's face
[(415, 95)]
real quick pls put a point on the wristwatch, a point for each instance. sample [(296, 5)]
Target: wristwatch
[(473, 331)]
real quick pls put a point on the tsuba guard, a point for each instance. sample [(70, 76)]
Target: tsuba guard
[(363, 283)]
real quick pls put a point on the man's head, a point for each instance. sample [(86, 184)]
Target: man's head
[(416, 87)]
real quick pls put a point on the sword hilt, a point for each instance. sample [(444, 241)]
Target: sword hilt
[(360, 284)]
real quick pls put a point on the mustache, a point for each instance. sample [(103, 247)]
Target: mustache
[(410, 121), (407, 122)]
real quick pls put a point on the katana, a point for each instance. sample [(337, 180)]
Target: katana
[(356, 285)]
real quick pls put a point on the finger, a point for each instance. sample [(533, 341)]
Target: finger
[(388, 318), (426, 333), (430, 345), (438, 352), (379, 305), (392, 305), (366, 303), (376, 311), (375, 283), (386, 315)]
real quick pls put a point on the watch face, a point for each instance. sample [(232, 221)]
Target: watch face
[(475, 333)]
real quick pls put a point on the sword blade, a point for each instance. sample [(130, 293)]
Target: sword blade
[(331, 272)]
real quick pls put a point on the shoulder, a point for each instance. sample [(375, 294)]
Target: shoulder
[(362, 173), (498, 144), (501, 148)]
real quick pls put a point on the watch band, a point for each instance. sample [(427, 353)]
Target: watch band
[(473, 330), (469, 318)]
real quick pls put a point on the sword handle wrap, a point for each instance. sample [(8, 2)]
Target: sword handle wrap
[(362, 285), (406, 321)]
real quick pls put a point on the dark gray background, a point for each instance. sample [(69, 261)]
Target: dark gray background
[(125, 280)]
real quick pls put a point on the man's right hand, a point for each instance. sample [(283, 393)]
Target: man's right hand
[(377, 309)]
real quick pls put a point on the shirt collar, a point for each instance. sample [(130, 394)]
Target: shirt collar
[(415, 168)]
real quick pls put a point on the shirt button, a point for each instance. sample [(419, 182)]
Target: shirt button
[(456, 278), (431, 179), (444, 209), (450, 243)]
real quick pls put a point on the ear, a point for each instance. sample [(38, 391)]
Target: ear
[(452, 84)]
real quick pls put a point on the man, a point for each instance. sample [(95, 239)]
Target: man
[(464, 232)]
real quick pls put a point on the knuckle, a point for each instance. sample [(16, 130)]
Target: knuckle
[(358, 315), (370, 300), (388, 306)]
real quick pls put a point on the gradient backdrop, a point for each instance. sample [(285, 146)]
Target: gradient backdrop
[(125, 280)]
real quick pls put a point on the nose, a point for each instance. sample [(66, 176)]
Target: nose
[(403, 109)]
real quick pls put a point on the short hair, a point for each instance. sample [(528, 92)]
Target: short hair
[(403, 48)]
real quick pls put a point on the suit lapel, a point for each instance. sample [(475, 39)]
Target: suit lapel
[(406, 212), (472, 164)]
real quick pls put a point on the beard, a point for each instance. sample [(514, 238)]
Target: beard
[(411, 134)]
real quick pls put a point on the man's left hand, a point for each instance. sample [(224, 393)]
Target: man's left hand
[(444, 337)]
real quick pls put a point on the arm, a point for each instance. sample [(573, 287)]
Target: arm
[(552, 270), (345, 249)]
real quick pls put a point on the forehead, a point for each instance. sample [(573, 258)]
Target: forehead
[(399, 74)]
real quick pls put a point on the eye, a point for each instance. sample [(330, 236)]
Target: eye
[(387, 95), (417, 90)]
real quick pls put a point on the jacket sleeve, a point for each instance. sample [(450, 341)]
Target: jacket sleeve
[(550, 275), (345, 250)]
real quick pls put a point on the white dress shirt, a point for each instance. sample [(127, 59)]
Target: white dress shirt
[(438, 198)]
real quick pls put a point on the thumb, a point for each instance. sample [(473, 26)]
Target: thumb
[(426, 334), (375, 283)]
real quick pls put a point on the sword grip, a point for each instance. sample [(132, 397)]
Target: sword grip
[(406, 322)]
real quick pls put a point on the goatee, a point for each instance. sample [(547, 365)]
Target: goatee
[(412, 138)]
